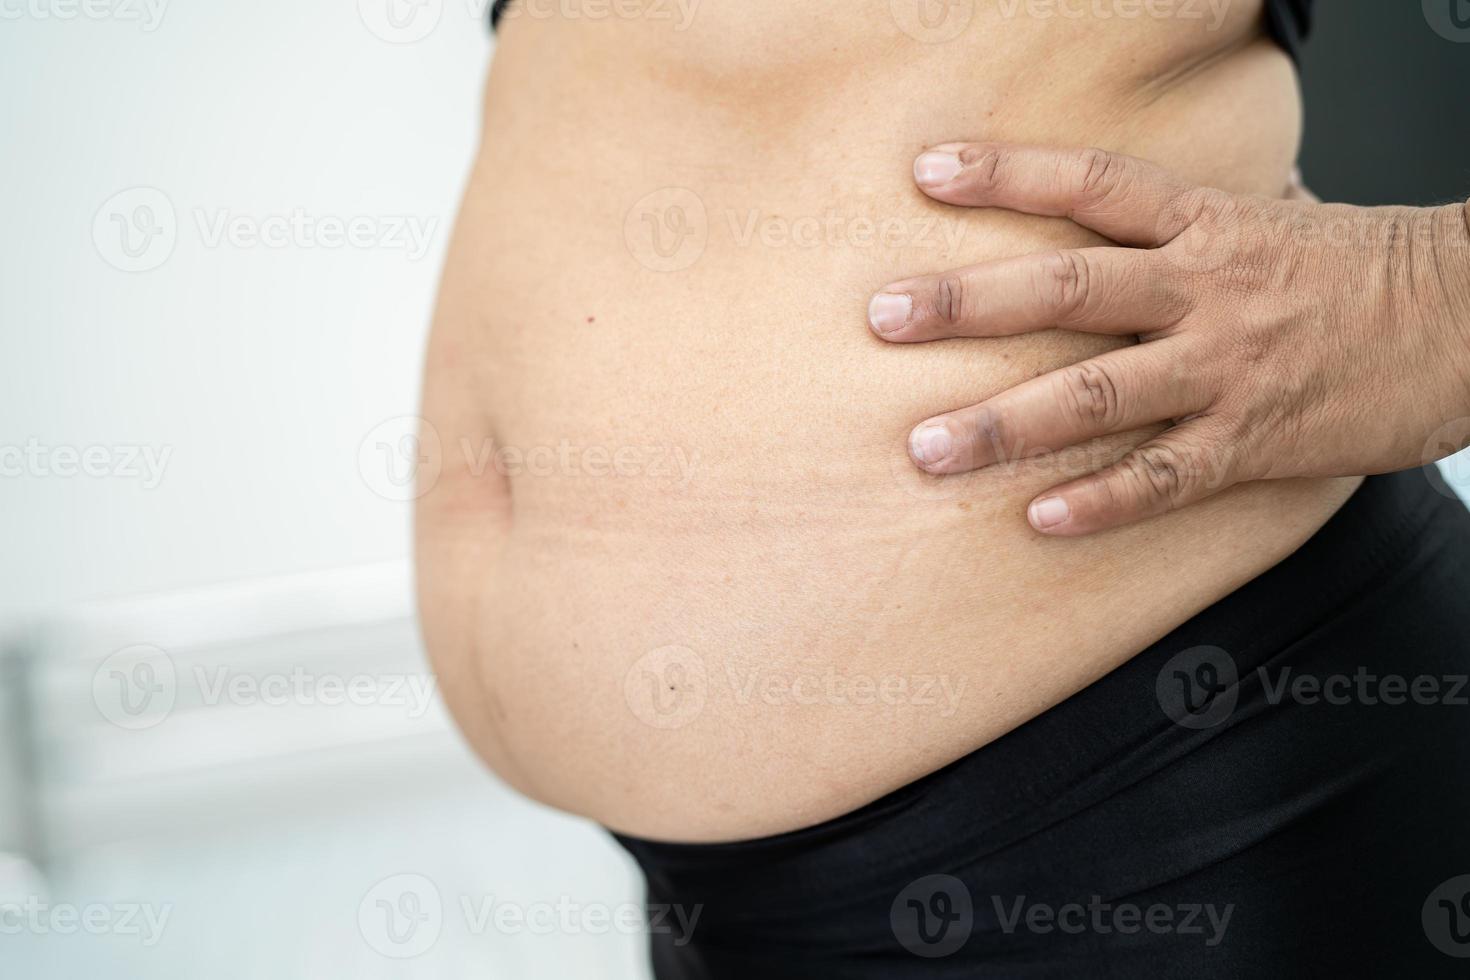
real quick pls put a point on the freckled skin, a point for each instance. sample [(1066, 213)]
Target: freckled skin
[(799, 542)]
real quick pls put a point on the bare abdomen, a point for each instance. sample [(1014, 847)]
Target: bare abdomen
[(678, 574)]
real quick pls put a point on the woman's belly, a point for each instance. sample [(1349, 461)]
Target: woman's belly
[(677, 573)]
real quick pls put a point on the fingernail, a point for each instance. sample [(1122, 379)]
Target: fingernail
[(933, 169), (1049, 512), (889, 311), (930, 443)]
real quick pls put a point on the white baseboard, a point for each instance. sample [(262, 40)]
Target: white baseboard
[(151, 715)]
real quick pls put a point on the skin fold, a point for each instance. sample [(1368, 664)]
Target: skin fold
[(677, 569)]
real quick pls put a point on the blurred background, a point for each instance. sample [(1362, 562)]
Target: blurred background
[(220, 749)]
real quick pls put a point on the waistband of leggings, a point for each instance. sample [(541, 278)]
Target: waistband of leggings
[(1117, 727)]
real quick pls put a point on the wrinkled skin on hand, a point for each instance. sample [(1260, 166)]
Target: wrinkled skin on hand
[(1278, 338)]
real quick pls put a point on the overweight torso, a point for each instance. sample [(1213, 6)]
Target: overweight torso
[(676, 572)]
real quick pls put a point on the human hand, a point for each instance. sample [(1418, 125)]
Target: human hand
[(1282, 338)]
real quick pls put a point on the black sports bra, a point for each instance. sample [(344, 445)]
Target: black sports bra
[(1288, 20)]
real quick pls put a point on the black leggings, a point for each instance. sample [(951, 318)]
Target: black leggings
[(1279, 788)]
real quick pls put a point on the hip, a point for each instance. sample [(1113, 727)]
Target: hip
[(1279, 766)]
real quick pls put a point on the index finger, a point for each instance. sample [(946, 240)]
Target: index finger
[(1131, 201)]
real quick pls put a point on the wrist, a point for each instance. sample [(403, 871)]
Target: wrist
[(1452, 259), (1451, 268)]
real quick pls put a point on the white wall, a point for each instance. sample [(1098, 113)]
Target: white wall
[(253, 374), (259, 370)]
